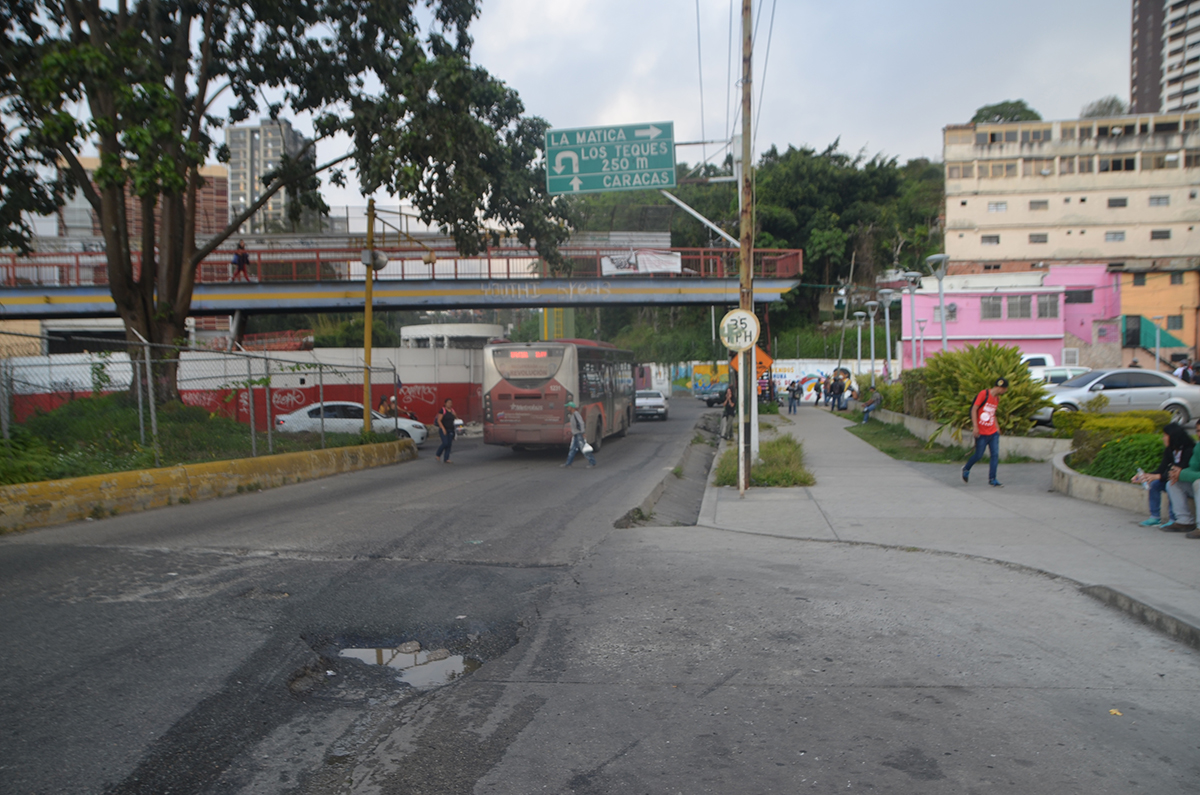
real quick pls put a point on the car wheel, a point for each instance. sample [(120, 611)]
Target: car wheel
[(402, 434), (1179, 414), (664, 416)]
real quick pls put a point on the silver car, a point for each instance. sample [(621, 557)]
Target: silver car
[(345, 417), (1127, 389)]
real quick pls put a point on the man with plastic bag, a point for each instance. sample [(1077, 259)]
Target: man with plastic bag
[(578, 443)]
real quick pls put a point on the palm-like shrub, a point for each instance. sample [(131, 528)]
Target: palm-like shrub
[(952, 380)]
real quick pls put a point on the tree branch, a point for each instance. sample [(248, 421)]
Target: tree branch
[(81, 176), (271, 190)]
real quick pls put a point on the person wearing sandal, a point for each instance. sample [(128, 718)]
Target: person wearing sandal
[(1177, 451)]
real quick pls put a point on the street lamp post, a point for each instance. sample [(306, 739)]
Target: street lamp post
[(858, 321), (872, 308), (1157, 341), (914, 281), (921, 324), (885, 298), (937, 266)]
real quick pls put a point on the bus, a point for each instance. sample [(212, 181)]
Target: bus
[(526, 386)]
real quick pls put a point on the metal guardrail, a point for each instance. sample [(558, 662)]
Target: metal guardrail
[(90, 269)]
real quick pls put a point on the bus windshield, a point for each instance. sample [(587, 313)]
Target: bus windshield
[(528, 367)]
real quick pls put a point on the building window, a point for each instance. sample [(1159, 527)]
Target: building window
[(1020, 306), (991, 307), (1039, 204), (1174, 322), (1119, 201), (1192, 159), (951, 313), (997, 207), (1085, 164), (1160, 234), (1066, 165), (991, 266), (1077, 297), (1041, 134), (1176, 278), (1038, 166), (1160, 201), (1071, 355), (1118, 164), (997, 169), (1114, 237), (1036, 237), (960, 170), (1067, 133), (1139, 280), (1047, 306), (990, 240), (1158, 162)]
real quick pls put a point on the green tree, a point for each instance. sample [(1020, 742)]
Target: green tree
[(424, 123), (1111, 105), (1009, 110)]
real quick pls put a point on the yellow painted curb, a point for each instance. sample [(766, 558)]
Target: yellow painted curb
[(29, 505)]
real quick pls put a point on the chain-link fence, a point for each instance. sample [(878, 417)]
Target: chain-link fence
[(100, 410)]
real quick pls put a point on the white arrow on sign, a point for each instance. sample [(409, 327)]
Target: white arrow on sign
[(576, 182), (651, 133), (558, 162)]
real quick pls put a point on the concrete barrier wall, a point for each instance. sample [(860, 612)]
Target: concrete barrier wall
[(1113, 493), (1037, 448), (29, 505)]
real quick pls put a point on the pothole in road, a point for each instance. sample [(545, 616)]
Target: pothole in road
[(420, 668)]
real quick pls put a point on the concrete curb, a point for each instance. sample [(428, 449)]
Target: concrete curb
[(28, 505), (1179, 628), (1041, 449), (1113, 493)]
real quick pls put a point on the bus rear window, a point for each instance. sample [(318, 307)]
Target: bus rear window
[(528, 367)]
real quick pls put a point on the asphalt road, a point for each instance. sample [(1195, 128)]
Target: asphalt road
[(196, 650)]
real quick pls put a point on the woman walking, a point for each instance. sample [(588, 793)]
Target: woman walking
[(445, 425)]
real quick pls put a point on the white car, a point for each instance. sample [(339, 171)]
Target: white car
[(650, 404), (345, 417)]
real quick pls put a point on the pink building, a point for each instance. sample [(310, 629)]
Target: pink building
[(1071, 312)]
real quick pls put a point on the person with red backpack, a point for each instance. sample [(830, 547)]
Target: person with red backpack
[(986, 430)]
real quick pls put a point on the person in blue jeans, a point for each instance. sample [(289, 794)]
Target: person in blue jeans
[(987, 430), (872, 403), (578, 429), (1177, 451), (445, 425)]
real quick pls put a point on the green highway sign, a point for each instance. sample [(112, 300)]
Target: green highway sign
[(598, 159)]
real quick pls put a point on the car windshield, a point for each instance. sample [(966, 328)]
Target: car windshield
[(645, 394), (1083, 380)]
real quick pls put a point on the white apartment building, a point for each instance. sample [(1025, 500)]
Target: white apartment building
[(1120, 190), (254, 151), (1180, 56)]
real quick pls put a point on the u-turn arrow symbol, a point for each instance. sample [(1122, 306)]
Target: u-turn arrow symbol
[(572, 156)]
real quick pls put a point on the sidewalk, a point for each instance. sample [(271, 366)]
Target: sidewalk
[(865, 496)]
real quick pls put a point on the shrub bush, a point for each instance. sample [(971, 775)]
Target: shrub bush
[(912, 385), (1120, 458), (953, 379), (893, 396), (1067, 423), (1101, 430)]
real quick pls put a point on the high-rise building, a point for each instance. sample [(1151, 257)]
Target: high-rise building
[(254, 151), (1181, 56), (1145, 61), (1164, 64)]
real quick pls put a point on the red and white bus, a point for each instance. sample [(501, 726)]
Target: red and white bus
[(526, 386)]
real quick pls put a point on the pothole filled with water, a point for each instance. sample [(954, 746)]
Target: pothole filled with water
[(420, 668)]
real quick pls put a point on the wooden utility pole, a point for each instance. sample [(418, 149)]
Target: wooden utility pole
[(749, 373)]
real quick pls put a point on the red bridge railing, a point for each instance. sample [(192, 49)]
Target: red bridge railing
[(88, 269)]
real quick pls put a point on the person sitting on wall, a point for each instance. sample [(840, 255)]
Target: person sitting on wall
[(873, 402)]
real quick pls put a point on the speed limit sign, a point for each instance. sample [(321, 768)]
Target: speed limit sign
[(739, 330)]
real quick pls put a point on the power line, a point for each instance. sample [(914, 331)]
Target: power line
[(762, 81), (700, 69)]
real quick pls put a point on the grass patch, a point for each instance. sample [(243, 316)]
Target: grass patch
[(781, 464), (95, 436), (897, 442)]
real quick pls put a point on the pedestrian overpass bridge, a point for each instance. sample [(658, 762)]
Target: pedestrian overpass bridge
[(75, 285)]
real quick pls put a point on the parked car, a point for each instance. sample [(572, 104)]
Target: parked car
[(712, 394), (1127, 389), (345, 417), (650, 404), (1056, 375)]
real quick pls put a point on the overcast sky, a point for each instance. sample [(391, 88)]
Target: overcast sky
[(884, 76)]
